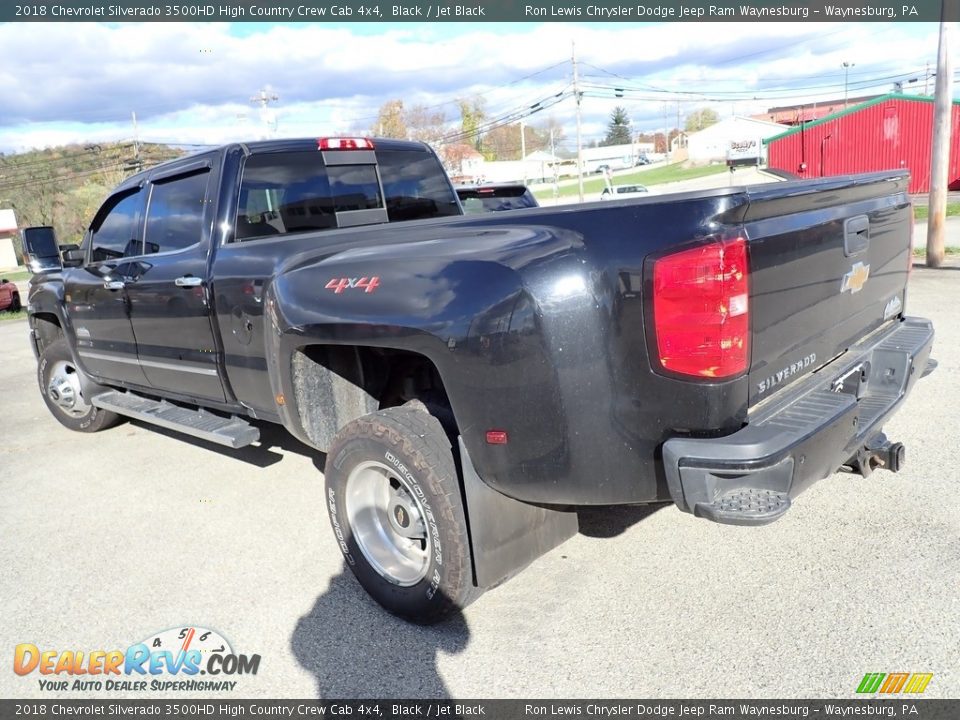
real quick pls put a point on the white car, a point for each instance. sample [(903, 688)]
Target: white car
[(622, 192)]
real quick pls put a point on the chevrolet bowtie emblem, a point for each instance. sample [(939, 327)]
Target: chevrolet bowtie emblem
[(856, 278)]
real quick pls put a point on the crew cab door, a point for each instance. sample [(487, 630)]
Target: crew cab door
[(168, 292), (94, 298)]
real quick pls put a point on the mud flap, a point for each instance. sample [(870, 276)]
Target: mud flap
[(506, 535)]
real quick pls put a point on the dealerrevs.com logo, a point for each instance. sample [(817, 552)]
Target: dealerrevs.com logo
[(171, 660)]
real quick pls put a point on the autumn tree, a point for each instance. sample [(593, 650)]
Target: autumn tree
[(618, 129), (502, 143), (424, 124), (65, 186), (391, 122), (544, 130)]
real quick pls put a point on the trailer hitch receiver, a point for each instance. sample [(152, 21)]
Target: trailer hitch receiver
[(877, 453)]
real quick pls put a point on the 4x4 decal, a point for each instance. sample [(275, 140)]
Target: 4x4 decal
[(338, 285)]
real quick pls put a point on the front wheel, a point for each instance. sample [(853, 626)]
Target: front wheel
[(393, 497), (60, 386), (15, 305)]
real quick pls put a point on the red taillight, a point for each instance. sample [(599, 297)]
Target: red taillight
[(701, 310), (340, 143)]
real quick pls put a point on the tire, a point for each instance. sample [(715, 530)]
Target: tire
[(60, 386), (393, 496), (15, 305)]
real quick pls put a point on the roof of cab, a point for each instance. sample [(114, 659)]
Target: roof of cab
[(277, 145)]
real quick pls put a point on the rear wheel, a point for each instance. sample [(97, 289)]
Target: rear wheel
[(393, 497), (60, 386), (15, 303)]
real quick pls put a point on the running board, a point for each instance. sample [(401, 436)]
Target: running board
[(233, 432)]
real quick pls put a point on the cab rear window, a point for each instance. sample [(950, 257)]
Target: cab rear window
[(292, 192)]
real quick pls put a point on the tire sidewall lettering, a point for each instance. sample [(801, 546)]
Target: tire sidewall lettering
[(407, 444), (337, 529), (422, 498)]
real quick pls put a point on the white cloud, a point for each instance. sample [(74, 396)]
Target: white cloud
[(189, 82)]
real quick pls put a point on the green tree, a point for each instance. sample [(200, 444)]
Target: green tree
[(473, 114), (618, 130), (700, 119)]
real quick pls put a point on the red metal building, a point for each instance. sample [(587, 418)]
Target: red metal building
[(886, 133)]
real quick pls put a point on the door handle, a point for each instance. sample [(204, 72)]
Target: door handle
[(188, 281), (114, 284)]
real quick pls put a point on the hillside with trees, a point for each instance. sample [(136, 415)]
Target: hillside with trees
[(64, 186)]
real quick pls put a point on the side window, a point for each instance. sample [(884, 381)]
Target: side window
[(175, 213), (285, 193), (115, 232)]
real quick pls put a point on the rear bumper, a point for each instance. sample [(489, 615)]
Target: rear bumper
[(750, 477)]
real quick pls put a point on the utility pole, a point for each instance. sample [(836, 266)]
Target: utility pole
[(942, 106), (678, 121), (666, 134), (846, 71), (556, 171), (263, 99), (578, 96), (926, 78), (523, 153), (136, 141)]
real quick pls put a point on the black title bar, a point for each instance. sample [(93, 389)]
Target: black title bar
[(901, 707), (479, 11)]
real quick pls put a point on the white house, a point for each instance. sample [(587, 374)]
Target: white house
[(461, 161), (736, 135), (8, 229)]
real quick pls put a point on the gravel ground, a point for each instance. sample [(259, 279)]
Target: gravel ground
[(110, 538)]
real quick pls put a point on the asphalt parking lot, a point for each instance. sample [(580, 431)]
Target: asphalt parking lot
[(108, 539)]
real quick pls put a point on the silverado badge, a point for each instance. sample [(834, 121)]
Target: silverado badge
[(855, 279)]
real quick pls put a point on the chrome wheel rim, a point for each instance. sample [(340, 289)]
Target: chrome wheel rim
[(388, 523), (63, 387)]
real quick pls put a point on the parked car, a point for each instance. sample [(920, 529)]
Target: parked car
[(643, 160), (622, 192), (479, 199), (9, 296)]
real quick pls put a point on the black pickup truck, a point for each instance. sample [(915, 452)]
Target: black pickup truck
[(474, 379)]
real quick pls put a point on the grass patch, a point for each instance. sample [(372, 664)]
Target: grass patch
[(16, 275), (657, 176), (948, 250), (8, 316), (922, 212)]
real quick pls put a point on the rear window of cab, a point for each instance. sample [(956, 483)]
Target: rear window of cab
[(282, 193)]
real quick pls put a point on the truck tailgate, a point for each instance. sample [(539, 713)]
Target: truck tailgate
[(828, 266)]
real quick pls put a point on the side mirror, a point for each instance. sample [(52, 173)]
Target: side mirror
[(40, 247), (72, 255)]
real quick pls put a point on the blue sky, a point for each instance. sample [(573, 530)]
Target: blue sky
[(191, 83)]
